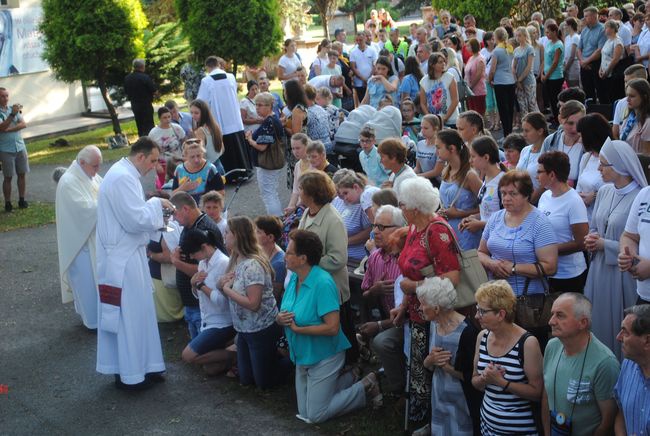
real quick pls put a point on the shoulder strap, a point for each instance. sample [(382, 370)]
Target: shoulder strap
[(458, 191), (520, 343)]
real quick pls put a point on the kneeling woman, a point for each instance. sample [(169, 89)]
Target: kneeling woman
[(217, 332), (310, 316)]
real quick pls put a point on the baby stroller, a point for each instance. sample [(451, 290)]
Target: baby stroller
[(386, 122)]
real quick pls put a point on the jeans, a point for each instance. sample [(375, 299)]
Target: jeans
[(257, 359), (268, 182), (505, 96), (193, 319)]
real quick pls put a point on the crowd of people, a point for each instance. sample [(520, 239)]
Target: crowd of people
[(370, 258)]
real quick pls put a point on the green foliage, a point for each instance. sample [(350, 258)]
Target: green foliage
[(166, 50), (243, 32), (160, 12), (487, 12), (84, 40), (295, 11)]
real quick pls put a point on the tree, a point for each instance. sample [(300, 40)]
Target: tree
[(93, 41), (209, 25), (326, 9), (166, 51)]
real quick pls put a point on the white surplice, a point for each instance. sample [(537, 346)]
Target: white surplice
[(128, 341), (219, 90), (76, 217)]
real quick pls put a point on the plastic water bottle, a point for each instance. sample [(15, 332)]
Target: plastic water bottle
[(408, 142)]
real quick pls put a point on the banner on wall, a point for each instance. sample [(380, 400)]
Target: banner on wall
[(21, 43)]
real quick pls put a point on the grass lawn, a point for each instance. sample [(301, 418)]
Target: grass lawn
[(40, 151), (37, 214)]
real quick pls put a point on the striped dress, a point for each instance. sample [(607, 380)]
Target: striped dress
[(502, 412)]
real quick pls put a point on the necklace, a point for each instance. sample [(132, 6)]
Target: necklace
[(612, 208)]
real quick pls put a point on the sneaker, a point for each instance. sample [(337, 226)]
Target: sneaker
[(23, 204), (8, 206)]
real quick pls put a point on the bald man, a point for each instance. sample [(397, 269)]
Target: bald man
[(76, 216)]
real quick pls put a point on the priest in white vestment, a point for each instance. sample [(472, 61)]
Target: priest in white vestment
[(128, 341), (76, 217)]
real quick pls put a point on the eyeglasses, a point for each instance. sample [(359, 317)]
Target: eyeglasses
[(261, 104), (382, 227), (604, 165), (481, 312), (366, 141)]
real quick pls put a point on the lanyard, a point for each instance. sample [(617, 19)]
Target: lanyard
[(575, 400)]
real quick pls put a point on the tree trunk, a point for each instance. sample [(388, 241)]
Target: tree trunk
[(109, 105), (234, 68), (325, 21)]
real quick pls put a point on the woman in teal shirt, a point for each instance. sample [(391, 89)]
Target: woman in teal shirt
[(553, 75), (310, 316)]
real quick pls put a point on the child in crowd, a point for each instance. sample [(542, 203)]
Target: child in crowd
[(512, 146), (334, 69), (410, 123), (212, 203), (335, 115), (369, 158), (427, 163)]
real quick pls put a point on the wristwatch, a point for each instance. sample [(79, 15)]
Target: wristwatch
[(199, 285), (513, 271)]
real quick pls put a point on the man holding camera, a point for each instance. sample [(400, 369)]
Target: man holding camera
[(13, 153)]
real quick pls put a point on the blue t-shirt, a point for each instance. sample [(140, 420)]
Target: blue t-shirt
[(355, 220), (207, 177), (409, 86), (426, 155), (521, 56), (503, 73), (377, 91), (371, 165), (549, 54), (317, 297), (518, 244), (279, 267)]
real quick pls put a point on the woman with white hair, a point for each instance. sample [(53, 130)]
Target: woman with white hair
[(455, 404), (429, 250), (609, 289)]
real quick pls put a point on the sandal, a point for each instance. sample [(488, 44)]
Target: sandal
[(373, 390)]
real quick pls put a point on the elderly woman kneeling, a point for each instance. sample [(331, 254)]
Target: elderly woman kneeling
[(451, 358), (310, 316)]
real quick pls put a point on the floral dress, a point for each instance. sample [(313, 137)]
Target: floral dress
[(412, 259)]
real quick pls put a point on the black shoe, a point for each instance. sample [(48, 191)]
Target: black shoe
[(8, 206), (23, 204), (143, 385), (155, 377)]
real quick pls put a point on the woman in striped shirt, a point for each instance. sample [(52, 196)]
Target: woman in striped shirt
[(507, 364)]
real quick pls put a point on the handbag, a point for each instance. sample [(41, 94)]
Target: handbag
[(273, 157), (534, 311), (464, 90), (472, 273)]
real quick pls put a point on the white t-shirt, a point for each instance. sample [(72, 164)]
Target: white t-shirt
[(322, 81), (528, 162), (170, 140), (405, 173), (290, 64), (590, 179), (575, 153), (644, 45), (489, 194), (364, 61), (249, 106), (215, 310), (563, 212), (619, 112), (638, 222), (366, 196)]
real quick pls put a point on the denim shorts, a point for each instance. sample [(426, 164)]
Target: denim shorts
[(212, 339)]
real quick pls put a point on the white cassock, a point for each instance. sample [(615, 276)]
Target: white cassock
[(76, 217), (128, 342), (219, 90)]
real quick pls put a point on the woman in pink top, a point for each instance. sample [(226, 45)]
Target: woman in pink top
[(475, 77)]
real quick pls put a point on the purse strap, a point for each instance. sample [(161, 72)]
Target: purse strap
[(451, 231), (542, 277), (460, 187)]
